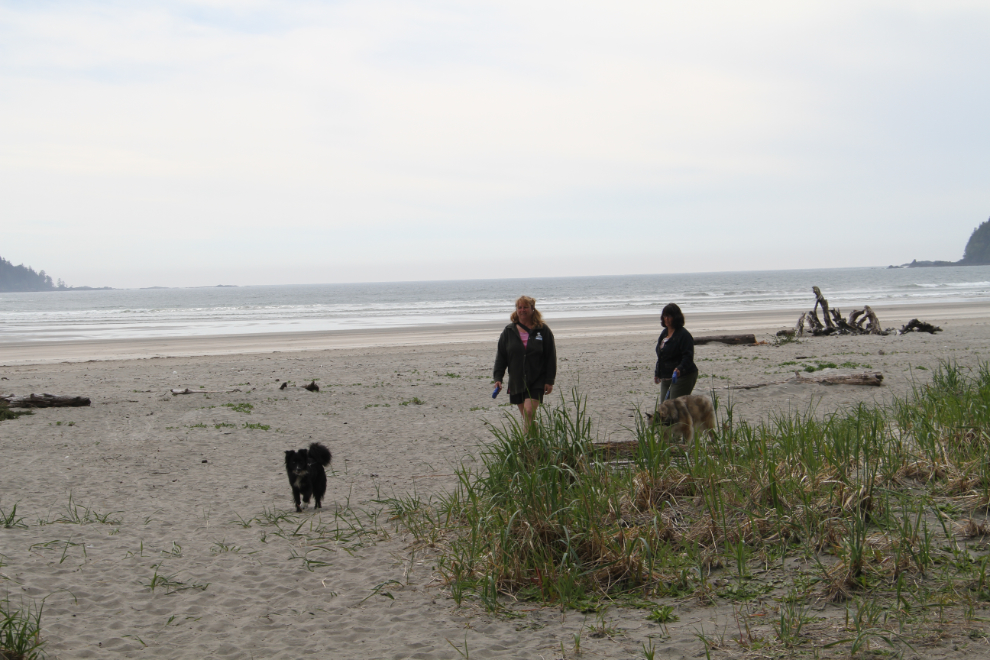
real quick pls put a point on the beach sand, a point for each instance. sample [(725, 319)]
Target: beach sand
[(188, 494)]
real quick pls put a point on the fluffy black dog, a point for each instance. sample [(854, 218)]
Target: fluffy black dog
[(306, 474)]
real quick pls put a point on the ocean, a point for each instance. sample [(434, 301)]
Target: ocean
[(174, 312)]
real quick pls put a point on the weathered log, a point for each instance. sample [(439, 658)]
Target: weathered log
[(799, 328), (312, 387), (189, 391), (920, 326), (873, 378), (725, 339), (44, 401)]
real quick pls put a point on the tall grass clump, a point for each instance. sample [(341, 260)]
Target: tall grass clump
[(20, 631), (875, 496), (545, 518)]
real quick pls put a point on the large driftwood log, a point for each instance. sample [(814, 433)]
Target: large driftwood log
[(44, 401), (726, 339), (872, 378)]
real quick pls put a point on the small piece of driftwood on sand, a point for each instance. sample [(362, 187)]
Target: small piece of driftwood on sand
[(189, 391), (726, 339), (44, 401)]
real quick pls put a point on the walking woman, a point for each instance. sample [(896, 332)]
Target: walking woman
[(526, 348), (675, 355)]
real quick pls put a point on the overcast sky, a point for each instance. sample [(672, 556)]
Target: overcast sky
[(252, 142)]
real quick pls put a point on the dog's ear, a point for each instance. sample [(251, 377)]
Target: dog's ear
[(649, 417)]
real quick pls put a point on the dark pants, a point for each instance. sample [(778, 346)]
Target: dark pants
[(683, 386)]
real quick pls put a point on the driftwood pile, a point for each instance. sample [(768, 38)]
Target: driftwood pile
[(861, 321)]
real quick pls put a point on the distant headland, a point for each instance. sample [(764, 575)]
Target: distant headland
[(977, 252), (23, 279)]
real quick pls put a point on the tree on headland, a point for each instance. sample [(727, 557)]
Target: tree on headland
[(23, 278), (978, 247)]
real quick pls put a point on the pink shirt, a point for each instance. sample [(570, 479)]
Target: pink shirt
[(524, 336)]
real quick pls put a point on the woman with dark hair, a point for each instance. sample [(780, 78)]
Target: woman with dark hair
[(527, 349), (675, 355)]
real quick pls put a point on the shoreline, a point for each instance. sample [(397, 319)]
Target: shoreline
[(699, 323)]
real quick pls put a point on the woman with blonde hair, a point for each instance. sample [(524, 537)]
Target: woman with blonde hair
[(527, 349)]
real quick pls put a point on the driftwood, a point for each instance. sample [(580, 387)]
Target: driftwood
[(820, 301), (860, 322), (44, 401), (920, 326), (312, 387), (726, 339), (189, 391), (872, 378)]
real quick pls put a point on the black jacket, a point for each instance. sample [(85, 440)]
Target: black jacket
[(531, 366), (677, 353)]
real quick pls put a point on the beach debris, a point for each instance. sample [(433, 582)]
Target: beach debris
[(861, 321), (284, 385), (726, 339), (312, 387), (176, 392), (44, 401), (920, 326), (870, 378)]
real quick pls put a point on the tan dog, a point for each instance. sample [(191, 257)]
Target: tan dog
[(686, 413)]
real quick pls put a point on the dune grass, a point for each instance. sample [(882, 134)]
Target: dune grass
[(884, 504), (20, 631)]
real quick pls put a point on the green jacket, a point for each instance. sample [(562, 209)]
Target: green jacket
[(531, 366)]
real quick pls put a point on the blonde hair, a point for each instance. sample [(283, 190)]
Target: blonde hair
[(529, 302)]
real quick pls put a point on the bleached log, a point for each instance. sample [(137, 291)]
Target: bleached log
[(44, 401), (189, 391), (726, 339), (873, 378)]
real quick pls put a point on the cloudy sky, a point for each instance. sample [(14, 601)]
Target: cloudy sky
[(252, 142)]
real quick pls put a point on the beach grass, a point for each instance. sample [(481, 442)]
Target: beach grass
[(20, 631), (883, 507)]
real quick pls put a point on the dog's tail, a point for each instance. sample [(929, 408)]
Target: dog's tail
[(320, 454)]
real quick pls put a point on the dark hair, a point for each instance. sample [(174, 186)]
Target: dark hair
[(674, 313)]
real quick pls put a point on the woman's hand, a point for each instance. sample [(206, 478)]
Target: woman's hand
[(498, 384), (547, 389), (656, 380), (677, 373)]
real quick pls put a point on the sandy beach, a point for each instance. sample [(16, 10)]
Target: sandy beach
[(162, 526)]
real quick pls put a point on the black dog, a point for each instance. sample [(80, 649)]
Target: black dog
[(306, 473)]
